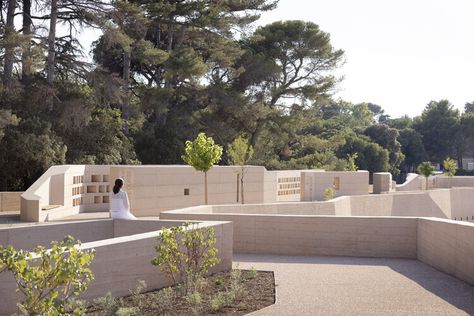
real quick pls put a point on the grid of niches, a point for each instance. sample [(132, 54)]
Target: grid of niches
[(77, 190), (289, 185), (94, 190)]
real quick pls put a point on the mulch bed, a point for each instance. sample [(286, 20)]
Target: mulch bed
[(258, 286)]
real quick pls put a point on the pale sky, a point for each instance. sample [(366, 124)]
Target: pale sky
[(399, 54)]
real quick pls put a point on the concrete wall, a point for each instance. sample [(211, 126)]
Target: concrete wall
[(313, 183), (452, 182), (317, 235), (382, 182), (66, 190), (153, 189), (120, 262), (448, 246), (10, 201)]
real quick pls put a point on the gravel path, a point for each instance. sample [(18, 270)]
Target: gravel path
[(360, 286)]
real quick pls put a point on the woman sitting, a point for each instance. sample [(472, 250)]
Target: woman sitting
[(119, 204)]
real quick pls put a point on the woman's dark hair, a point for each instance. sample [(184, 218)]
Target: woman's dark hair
[(118, 185)]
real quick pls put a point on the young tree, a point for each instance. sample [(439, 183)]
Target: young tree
[(426, 169), (240, 153), (450, 167), (202, 154), (49, 279)]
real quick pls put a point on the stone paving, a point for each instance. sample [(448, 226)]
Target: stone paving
[(360, 286)]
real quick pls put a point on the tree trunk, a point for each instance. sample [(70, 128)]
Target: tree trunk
[(26, 55), (242, 186), (9, 47), (126, 78), (205, 188), (51, 42)]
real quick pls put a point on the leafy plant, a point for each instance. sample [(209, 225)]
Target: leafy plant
[(109, 303), (49, 279), (240, 152), (202, 154), (186, 253), (426, 169), (450, 167), (351, 165), (328, 194), (165, 298), (252, 274)]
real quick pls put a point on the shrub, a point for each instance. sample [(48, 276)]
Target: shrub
[(109, 304), (186, 253), (252, 273), (328, 194), (165, 298), (49, 279), (450, 167), (426, 169)]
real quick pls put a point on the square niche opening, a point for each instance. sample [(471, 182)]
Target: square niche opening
[(186, 191)]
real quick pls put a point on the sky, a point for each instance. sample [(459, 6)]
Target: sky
[(398, 54)]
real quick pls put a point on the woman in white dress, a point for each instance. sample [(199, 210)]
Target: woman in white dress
[(119, 204)]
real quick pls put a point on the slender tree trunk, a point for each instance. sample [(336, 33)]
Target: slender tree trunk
[(26, 55), (9, 47), (126, 78), (51, 42), (205, 188), (242, 186)]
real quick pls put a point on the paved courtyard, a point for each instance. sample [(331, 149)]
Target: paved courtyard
[(360, 286)]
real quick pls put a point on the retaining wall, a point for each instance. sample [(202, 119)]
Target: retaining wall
[(10, 201), (120, 261)]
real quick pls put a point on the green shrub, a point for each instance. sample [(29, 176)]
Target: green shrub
[(450, 167), (109, 304), (328, 194), (186, 253), (165, 298), (49, 279), (252, 274)]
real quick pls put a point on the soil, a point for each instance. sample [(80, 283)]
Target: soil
[(258, 289)]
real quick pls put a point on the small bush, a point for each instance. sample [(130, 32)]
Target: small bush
[(217, 281), (194, 300), (328, 194), (109, 304), (127, 311), (252, 274), (218, 302), (165, 298), (186, 253), (49, 279)]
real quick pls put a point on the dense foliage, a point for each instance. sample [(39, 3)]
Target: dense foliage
[(164, 71)]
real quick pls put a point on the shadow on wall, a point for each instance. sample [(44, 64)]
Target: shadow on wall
[(450, 289)]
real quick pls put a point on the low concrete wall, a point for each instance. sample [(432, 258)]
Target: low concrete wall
[(120, 262), (447, 246), (344, 183), (452, 182), (316, 235), (10, 201)]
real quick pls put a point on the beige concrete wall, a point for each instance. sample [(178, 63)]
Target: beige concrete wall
[(10, 201), (448, 246), (58, 187), (382, 182), (456, 181), (317, 235), (120, 262), (313, 183), (287, 185), (152, 189), (414, 182)]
